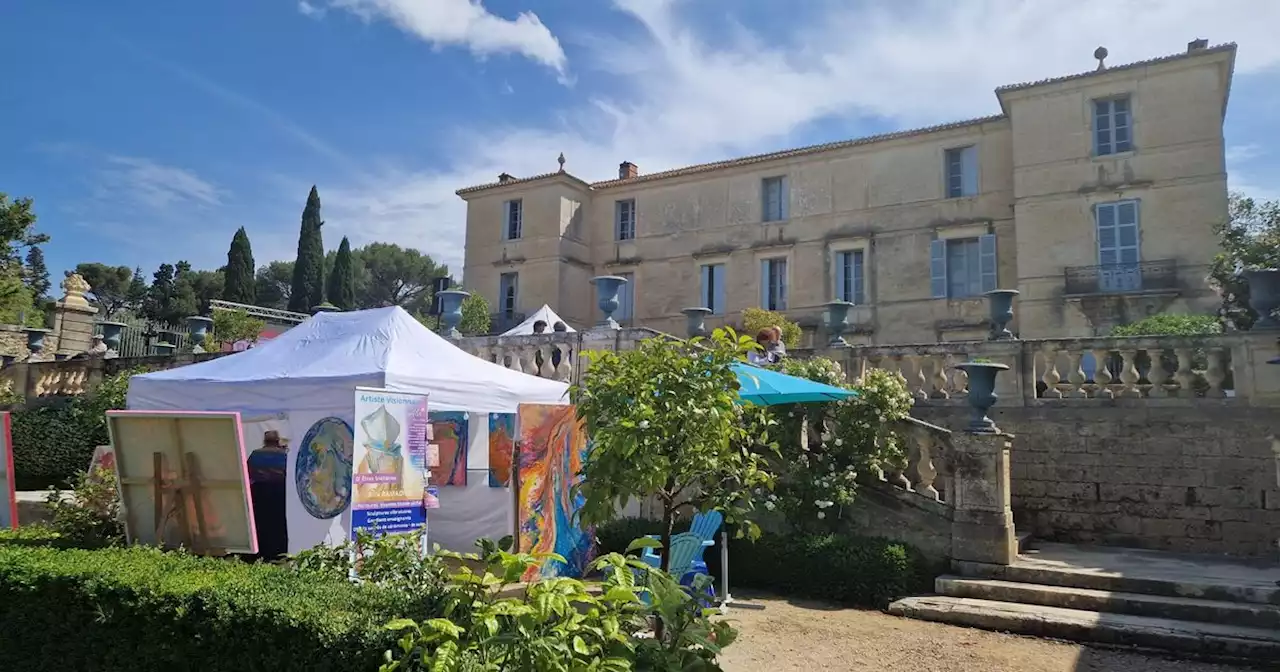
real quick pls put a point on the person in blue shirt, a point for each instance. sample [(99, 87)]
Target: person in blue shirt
[(268, 466)]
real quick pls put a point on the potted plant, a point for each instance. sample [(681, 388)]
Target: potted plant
[(982, 392)]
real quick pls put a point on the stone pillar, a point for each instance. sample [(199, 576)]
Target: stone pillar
[(982, 523), (73, 320)]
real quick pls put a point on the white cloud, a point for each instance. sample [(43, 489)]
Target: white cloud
[(153, 185), (465, 23), (695, 95), (309, 10)]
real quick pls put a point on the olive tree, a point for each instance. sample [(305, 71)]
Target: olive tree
[(666, 423)]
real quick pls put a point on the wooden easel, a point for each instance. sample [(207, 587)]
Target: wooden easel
[(179, 498)]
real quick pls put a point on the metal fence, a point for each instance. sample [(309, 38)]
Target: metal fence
[(140, 337)]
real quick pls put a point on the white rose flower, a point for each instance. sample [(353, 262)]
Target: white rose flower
[(644, 424), (769, 505), (839, 442), (821, 515)]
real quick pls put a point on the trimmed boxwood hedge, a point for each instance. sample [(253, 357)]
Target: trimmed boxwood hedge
[(139, 609), (843, 568)]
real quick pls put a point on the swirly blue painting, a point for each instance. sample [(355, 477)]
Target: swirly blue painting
[(322, 471)]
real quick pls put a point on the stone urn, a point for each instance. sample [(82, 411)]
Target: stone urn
[(451, 310), (982, 394), (1000, 302), (837, 322), (198, 326), (35, 339), (164, 349), (112, 332), (325, 307), (1264, 296), (696, 321), (607, 287)]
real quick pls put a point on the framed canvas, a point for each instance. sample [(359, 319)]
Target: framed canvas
[(8, 491), (183, 480)]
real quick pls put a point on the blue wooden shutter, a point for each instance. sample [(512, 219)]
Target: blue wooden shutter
[(718, 288), (859, 264), (987, 261), (764, 283), (782, 283), (969, 171), (841, 262), (704, 293), (784, 198), (938, 268)]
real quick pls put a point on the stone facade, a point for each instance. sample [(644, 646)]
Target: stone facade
[(1031, 192)]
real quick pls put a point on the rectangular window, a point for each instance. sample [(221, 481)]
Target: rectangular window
[(624, 219), (773, 284), (508, 287), (713, 288), (962, 171), (1118, 246), (626, 299), (773, 192), (1112, 126), (849, 277), (514, 216), (962, 267)]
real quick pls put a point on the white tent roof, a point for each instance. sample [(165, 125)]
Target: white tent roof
[(315, 365), (545, 314)]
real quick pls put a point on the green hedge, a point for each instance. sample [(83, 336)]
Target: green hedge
[(843, 568), (53, 442), (138, 609)]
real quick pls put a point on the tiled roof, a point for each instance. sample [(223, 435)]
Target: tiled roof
[(520, 180), (746, 160), (1228, 47)]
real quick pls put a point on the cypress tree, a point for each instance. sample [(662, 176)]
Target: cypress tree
[(342, 281), (308, 269), (239, 284)]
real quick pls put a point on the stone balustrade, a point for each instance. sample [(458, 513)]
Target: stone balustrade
[(555, 355), (33, 380)]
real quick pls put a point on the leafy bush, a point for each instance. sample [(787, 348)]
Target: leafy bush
[(393, 562), (755, 319), (556, 624), (90, 518), (139, 609), (53, 443), (859, 571), (1170, 324)]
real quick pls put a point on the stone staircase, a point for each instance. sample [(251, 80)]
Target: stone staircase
[(1204, 606)]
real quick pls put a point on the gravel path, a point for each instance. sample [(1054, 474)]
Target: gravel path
[(798, 636)]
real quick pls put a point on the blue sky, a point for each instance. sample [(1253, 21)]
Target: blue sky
[(149, 134)]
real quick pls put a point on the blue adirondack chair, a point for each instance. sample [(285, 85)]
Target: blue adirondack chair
[(703, 528)]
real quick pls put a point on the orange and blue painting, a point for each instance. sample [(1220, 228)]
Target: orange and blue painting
[(553, 443), (449, 433), (502, 443)]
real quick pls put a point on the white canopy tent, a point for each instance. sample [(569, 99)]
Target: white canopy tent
[(543, 314), (311, 371)]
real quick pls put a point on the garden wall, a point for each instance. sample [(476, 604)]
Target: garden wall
[(1198, 478)]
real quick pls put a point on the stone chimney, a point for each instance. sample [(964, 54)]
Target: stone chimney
[(1197, 44), (504, 178), (627, 170)]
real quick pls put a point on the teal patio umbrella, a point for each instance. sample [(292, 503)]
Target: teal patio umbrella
[(766, 387)]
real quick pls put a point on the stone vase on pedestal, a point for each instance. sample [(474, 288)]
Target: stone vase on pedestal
[(837, 318), (198, 327), (451, 310), (607, 287), (1264, 296), (164, 349), (111, 334), (982, 394), (696, 321), (1000, 302), (35, 341)]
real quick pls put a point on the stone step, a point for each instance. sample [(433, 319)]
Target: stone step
[(1187, 637), (1084, 599), (1122, 570)]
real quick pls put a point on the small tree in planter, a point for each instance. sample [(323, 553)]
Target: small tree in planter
[(665, 422)]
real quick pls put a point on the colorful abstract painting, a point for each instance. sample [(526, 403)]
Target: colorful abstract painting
[(502, 443), (449, 432), (552, 446)]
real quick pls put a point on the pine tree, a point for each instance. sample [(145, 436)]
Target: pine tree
[(36, 274), (239, 284), (308, 269), (136, 295), (342, 281)]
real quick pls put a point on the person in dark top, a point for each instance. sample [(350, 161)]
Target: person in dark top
[(539, 327), (267, 468), (558, 327)]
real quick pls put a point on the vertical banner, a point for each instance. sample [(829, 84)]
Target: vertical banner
[(8, 493), (391, 461), (553, 443)]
